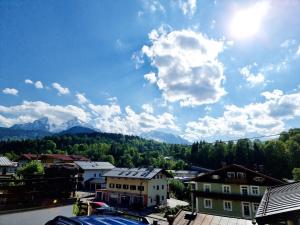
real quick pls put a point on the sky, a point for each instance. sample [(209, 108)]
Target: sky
[(204, 70)]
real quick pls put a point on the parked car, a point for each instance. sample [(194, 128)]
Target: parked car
[(96, 220)]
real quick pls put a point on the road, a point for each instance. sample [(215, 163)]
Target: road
[(35, 217)]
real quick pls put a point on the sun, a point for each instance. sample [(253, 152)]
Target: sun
[(247, 22)]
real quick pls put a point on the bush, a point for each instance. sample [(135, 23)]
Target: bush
[(31, 168), (296, 174)]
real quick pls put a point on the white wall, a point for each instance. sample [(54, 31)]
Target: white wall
[(153, 192)]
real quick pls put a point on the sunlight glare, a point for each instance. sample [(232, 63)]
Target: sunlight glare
[(246, 23)]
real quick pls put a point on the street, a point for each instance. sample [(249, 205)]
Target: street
[(35, 217)]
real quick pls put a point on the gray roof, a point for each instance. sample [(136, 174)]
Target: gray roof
[(86, 165), (138, 173), (279, 200), (4, 161)]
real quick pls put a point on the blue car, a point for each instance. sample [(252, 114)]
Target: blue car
[(96, 220)]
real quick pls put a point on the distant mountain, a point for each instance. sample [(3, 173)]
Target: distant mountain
[(75, 122), (78, 130), (17, 134), (41, 124), (164, 137)]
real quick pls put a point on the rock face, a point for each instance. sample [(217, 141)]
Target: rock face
[(164, 137), (42, 124)]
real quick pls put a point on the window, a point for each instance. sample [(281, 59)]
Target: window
[(207, 203), (227, 205), (254, 190), (206, 187), (125, 186), (244, 190), (226, 188), (157, 187), (258, 179), (119, 186), (255, 207), (95, 175), (162, 197), (160, 176), (246, 209), (162, 187), (99, 174), (153, 186), (241, 175), (141, 188), (231, 175), (111, 185), (132, 187)]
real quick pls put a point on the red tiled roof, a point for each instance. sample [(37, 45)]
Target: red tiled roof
[(66, 158), (29, 156)]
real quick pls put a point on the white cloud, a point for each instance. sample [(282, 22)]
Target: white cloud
[(150, 77), (28, 81), (298, 51), (147, 108), (287, 43), (188, 68), (29, 111), (81, 99), (61, 90), (39, 84), (263, 118), (154, 6), (188, 7), (10, 91), (251, 78)]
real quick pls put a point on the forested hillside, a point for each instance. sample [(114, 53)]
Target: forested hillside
[(278, 156)]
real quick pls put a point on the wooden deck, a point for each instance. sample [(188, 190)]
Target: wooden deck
[(205, 219)]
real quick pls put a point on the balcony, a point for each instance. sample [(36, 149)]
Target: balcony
[(228, 196)]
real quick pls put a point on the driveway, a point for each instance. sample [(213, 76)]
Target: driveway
[(35, 217)]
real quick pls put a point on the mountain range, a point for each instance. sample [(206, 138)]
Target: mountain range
[(43, 127)]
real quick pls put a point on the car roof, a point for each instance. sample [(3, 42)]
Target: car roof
[(106, 220)]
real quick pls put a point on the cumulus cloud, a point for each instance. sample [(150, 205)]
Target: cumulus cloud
[(287, 43), (39, 85), (188, 7), (263, 118), (154, 6), (189, 71), (147, 108), (29, 111), (28, 81), (61, 90), (10, 91), (150, 77), (81, 99), (251, 78)]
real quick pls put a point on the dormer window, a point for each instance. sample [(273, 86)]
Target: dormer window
[(241, 175), (206, 187), (231, 175), (258, 179)]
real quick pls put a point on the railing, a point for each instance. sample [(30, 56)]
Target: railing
[(24, 193), (229, 196)]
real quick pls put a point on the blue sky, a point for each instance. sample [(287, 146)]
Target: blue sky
[(199, 69)]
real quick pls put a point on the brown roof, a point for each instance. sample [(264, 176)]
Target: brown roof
[(28, 156), (66, 158), (206, 219), (269, 181)]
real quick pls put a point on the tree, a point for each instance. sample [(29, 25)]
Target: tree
[(31, 168), (296, 174)]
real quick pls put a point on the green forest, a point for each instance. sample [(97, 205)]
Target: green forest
[(279, 156)]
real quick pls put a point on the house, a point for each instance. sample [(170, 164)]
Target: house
[(7, 167), (280, 205), (184, 175), (91, 173), (135, 187), (232, 190), (26, 158), (61, 158)]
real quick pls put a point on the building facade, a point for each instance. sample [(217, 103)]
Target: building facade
[(91, 174), (135, 187), (7, 167), (232, 190)]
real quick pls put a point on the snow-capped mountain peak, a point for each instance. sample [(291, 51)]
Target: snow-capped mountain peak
[(41, 124)]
